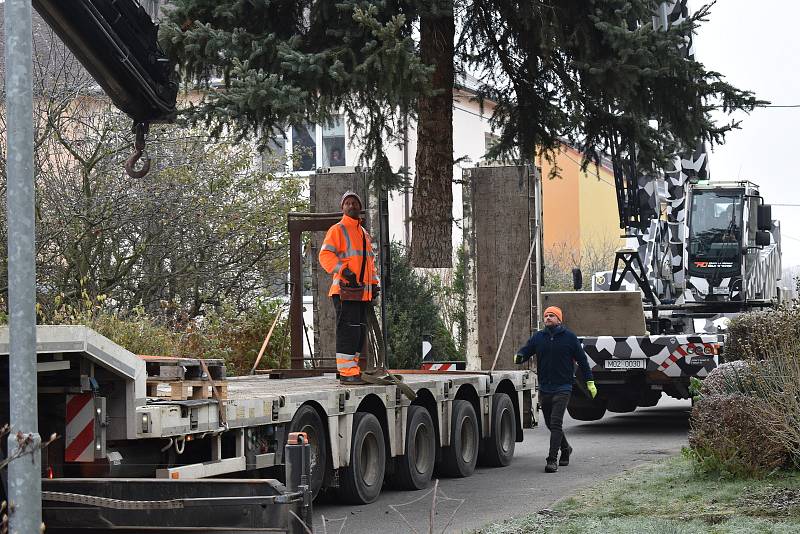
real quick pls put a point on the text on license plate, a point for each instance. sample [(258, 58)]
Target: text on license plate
[(625, 364)]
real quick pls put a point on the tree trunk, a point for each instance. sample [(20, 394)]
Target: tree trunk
[(432, 210)]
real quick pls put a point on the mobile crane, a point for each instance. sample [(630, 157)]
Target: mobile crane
[(699, 252)]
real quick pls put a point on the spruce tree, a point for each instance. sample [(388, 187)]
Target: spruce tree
[(592, 72), (285, 62), (432, 209)]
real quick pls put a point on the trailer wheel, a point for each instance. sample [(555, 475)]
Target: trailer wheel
[(497, 450), (584, 409), (307, 420), (459, 459), (415, 467), (361, 481)]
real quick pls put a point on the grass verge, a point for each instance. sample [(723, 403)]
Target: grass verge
[(670, 496)]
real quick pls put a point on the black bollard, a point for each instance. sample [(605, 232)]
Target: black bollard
[(298, 471)]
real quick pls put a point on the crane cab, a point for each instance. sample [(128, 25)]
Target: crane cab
[(730, 233)]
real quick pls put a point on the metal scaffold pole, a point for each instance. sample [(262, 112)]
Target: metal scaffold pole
[(24, 473)]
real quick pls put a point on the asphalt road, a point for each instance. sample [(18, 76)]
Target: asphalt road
[(602, 449)]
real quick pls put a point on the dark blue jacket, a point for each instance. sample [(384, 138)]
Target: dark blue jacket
[(556, 354)]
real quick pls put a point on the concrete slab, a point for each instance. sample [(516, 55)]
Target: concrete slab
[(600, 313)]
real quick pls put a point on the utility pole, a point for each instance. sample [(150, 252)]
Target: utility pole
[(24, 474)]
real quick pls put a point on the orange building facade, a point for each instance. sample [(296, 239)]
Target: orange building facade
[(579, 208)]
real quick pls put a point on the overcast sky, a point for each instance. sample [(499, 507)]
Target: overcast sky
[(756, 45)]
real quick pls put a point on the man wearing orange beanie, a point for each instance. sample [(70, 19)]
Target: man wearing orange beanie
[(557, 349)]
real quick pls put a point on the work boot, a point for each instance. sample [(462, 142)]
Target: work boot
[(551, 466), (564, 458), (351, 380)]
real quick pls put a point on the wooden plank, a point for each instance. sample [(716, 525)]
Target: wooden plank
[(191, 389), (500, 218), (179, 391)]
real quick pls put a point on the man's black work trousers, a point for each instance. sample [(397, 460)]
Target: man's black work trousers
[(351, 326), (553, 407)]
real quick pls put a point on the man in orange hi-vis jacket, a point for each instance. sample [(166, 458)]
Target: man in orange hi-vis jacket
[(347, 254)]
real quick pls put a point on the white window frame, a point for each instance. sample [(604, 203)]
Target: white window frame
[(319, 155)]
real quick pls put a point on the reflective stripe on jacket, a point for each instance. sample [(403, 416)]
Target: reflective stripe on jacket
[(344, 247)]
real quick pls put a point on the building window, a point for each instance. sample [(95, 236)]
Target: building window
[(273, 158), (489, 140), (333, 146), (304, 147)]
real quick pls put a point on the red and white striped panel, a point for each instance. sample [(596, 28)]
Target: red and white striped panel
[(676, 355), (434, 366), (685, 350), (80, 428)]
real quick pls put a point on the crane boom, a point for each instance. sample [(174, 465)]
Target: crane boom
[(117, 42)]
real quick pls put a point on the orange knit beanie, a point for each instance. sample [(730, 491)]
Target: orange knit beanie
[(555, 310)]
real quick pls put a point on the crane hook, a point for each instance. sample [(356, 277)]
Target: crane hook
[(140, 129)]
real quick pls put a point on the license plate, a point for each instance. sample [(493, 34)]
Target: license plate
[(625, 364), (699, 360), (719, 291)]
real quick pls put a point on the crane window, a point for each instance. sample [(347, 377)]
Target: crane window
[(715, 225)]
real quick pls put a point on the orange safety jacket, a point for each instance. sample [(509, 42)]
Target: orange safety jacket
[(344, 247)]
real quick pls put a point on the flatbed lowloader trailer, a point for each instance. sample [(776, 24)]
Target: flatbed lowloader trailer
[(95, 394)]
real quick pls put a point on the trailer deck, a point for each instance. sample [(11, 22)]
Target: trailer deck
[(98, 389)]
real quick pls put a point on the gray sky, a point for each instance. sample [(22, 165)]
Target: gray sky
[(756, 45)]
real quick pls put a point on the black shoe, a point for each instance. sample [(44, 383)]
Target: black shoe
[(564, 458), (551, 466), (351, 380)]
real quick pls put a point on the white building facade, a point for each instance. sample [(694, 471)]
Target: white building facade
[(332, 146)]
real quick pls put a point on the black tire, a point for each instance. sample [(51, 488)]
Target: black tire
[(497, 450), (621, 405), (460, 458), (649, 399), (307, 420), (361, 481), (415, 468), (584, 409)]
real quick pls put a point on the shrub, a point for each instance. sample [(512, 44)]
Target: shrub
[(137, 332), (734, 434), (727, 378), (237, 337), (412, 311), (233, 336), (759, 335), (754, 399)]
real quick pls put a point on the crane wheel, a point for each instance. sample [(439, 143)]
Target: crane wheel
[(585, 409)]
